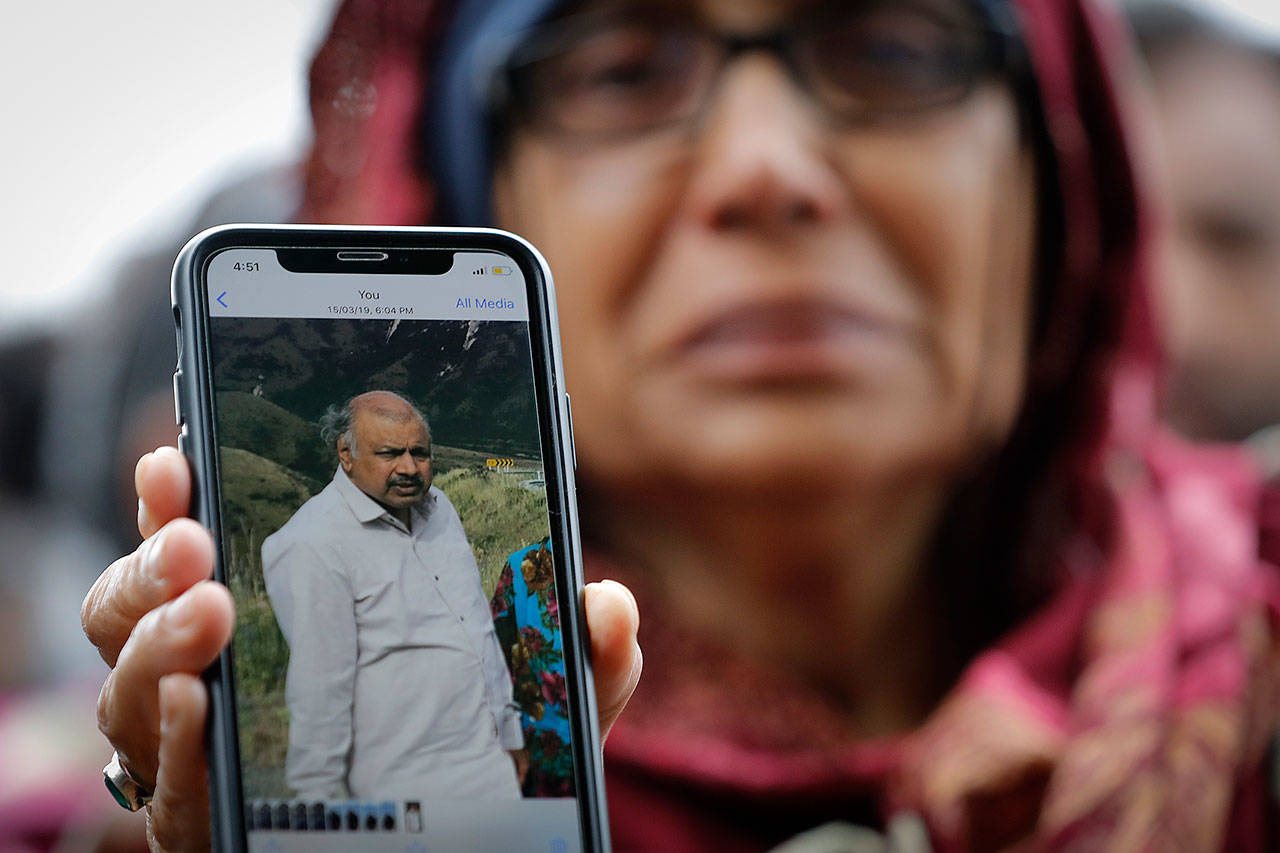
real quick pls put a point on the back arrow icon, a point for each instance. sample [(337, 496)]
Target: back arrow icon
[(220, 302)]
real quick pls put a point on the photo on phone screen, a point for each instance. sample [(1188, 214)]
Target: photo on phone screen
[(399, 665)]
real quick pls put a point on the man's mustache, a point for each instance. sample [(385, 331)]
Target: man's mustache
[(415, 480)]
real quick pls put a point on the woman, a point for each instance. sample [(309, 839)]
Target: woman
[(855, 319)]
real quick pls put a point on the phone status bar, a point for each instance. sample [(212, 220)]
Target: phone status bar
[(254, 283)]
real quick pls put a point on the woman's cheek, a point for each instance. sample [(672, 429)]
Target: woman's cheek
[(599, 217), (598, 214), (953, 203)]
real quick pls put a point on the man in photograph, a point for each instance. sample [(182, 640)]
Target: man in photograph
[(396, 682)]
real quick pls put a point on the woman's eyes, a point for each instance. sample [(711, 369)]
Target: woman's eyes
[(902, 50), (626, 74), (621, 75), (892, 40), (635, 72), (623, 61)]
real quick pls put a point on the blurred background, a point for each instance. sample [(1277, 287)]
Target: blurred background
[(124, 116), (121, 119)]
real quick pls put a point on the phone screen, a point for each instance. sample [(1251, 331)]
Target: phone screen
[(399, 668)]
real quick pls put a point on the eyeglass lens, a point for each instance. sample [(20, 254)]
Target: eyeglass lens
[(627, 74)]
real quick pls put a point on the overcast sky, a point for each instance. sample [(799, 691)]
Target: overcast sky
[(121, 116), (1264, 14)]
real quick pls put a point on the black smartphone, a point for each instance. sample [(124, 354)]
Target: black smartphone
[(381, 444)]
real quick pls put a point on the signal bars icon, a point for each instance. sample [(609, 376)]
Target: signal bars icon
[(481, 271)]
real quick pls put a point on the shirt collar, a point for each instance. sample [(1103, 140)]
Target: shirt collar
[(365, 508)]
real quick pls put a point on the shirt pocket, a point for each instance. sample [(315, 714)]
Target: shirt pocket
[(441, 610), (382, 617), (434, 611)]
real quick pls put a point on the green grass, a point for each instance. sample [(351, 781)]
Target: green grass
[(271, 432), (498, 514), (261, 657)]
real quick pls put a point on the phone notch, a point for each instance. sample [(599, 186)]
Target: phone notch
[(345, 261)]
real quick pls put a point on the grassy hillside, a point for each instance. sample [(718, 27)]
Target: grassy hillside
[(472, 379), (260, 426), (259, 496), (499, 516)]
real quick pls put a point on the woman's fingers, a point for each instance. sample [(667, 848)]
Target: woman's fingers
[(178, 818), (163, 483), (613, 619), (182, 636), (162, 568)]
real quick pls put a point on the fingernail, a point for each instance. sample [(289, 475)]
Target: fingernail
[(181, 611), (165, 450), (141, 471), (155, 551), (167, 687), (624, 590)]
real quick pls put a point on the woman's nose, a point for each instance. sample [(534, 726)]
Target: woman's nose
[(761, 161)]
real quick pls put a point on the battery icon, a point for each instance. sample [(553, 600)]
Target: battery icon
[(501, 270)]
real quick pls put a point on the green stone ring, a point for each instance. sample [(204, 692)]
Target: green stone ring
[(128, 791)]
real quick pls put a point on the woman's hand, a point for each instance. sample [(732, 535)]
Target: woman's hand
[(159, 621)]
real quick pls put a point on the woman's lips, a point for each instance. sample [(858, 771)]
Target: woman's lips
[(791, 342)]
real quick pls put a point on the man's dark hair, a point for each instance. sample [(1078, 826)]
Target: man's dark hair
[(335, 425)]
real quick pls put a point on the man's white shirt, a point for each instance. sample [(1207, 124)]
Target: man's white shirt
[(397, 685)]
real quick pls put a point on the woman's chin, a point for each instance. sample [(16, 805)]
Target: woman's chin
[(785, 438), (777, 457)]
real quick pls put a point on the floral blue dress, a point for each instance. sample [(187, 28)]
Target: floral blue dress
[(527, 618)]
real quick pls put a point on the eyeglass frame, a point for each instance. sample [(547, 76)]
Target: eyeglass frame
[(1002, 51)]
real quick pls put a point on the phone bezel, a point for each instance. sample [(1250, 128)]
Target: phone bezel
[(194, 400)]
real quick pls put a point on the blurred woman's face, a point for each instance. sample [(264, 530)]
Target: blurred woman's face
[(767, 292)]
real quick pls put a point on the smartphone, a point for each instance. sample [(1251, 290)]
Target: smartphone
[(381, 444)]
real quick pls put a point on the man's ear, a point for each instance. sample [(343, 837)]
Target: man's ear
[(344, 454)]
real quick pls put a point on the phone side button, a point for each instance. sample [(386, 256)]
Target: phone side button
[(182, 440), (573, 445), (177, 398)]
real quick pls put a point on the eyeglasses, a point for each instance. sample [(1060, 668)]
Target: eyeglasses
[(614, 75)]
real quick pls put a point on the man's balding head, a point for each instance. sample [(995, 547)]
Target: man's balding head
[(385, 404), (338, 423)]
